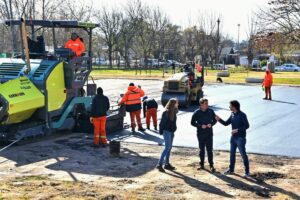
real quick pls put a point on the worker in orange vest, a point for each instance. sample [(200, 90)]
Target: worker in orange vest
[(267, 83), (132, 100), (100, 106), (75, 44)]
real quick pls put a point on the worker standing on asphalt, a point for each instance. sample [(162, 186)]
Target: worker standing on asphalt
[(240, 124), (150, 111), (204, 120), (100, 106), (132, 100), (267, 84), (75, 44)]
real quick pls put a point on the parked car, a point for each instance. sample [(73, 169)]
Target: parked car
[(150, 62), (255, 65), (288, 68), (220, 67), (264, 68), (99, 61), (170, 62)]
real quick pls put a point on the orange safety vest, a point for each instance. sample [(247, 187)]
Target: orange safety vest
[(268, 80), (76, 46), (133, 96)]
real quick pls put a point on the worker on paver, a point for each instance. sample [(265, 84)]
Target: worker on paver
[(267, 84), (75, 44), (204, 120), (132, 100), (150, 111), (167, 127), (240, 124), (100, 106)]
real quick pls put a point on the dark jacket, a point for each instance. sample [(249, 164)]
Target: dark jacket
[(200, 118), (167, 124), (148, 104), (238, 121), (100, 106)]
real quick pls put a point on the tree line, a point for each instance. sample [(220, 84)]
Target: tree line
[(136, 30)]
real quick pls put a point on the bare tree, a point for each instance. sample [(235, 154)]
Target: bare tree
[(252, 30), (110, 24), (283, 16)]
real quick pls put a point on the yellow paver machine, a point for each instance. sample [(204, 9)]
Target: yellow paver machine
[(41, 91)]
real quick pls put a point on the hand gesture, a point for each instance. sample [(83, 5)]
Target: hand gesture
[(91, 120), (234, 131), (208, 125), (217, 118), (203, 126)]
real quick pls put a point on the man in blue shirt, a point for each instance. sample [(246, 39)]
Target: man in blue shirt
[(239, 124)]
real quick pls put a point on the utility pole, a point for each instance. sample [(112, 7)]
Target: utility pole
[(238, 45), (218, 41)]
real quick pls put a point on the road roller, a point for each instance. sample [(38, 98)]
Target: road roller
[(184, 86), (41, 91)]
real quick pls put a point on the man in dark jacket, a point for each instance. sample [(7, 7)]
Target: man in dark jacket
[(100, 106), (204, 120), (150, 111), (240, 124)]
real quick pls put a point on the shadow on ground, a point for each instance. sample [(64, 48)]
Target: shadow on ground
[(75, 155)]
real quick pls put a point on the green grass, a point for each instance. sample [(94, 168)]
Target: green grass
[(237, 75)]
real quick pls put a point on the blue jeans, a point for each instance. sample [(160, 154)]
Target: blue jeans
[(168, 137), (240, 143)]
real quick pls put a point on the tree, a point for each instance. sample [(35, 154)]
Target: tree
[(282, 16), (252, 30), (109, 24)]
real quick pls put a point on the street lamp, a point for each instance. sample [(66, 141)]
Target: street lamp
[(218, 41), (238, 47)]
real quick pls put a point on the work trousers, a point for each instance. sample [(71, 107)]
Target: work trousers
[(268, 93), (151, 113), (99, 130), (136, 116)]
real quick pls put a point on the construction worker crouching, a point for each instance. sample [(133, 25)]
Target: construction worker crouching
[(75, 44), (100, 106), (132, 100), (150, 111)]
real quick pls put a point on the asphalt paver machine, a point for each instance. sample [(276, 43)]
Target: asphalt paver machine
[(41, 91)]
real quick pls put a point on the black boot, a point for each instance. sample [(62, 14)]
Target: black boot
[(155, 128), (202, 166), (160, 168), (141, 129), (212, 169), (170, 167), (133, 130)]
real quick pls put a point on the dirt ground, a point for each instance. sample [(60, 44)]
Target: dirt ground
[(68, 168)]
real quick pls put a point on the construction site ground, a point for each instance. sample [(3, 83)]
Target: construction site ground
[(67, 167)]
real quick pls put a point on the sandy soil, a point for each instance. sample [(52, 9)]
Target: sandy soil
[(68, 168)]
